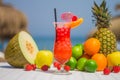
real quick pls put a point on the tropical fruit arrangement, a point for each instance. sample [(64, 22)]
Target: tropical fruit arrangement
[(100, 49), (98, 53)]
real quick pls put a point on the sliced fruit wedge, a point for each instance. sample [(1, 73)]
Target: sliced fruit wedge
[(75, 24)]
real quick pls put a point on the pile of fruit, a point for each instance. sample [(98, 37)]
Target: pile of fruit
[(95, 54), (99, 51), (86, 57)]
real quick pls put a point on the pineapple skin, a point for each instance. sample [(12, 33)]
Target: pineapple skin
[(107, 39)]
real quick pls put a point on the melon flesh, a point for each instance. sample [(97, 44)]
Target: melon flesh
[(21, 50)]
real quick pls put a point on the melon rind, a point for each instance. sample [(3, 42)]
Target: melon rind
[(16, 53)]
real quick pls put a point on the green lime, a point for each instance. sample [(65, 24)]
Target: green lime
[(90, 65), (77, 50), (81, 45), (72, 63), (81, 63)]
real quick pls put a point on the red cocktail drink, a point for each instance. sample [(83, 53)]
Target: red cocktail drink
[(62, 45)]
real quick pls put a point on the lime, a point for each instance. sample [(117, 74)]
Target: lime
[(77, 51), (80, 45), (44, 57), (72, 63), (81, 63), (90, 65)]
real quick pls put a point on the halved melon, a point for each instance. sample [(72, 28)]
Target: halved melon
[(21, 50)]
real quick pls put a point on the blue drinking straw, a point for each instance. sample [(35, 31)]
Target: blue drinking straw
[(55, 15)]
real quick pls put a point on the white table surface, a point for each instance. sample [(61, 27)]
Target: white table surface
[(9, 73)]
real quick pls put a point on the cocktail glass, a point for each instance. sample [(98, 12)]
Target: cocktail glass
[(62, 45)]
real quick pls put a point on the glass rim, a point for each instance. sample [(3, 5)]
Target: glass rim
[(60, 22)]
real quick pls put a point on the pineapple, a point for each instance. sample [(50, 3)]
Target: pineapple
[(103, 34)]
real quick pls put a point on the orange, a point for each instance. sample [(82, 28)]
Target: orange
[(92, 46), (101, 61), (75, 24)]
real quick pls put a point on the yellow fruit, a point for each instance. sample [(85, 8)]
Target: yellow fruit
[(44, 57), (113, 58), (75, 24)]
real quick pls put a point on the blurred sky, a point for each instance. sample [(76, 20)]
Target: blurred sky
[(40, 14)]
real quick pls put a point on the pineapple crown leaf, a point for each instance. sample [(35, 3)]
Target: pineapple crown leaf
[(103, 5), (101, 15), (96, 7)]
